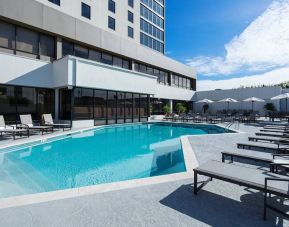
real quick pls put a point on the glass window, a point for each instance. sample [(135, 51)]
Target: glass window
[(65, 104), (142, 68), (128, 107), (94, 55), (100, 112), (85, 10), (111, 107), (111, 6), (83, 103), (120, 107), (26, 101), (111, 23), (131, 3), (125, 64), (106, 59), (136, 103), (7, 35), (143, 107), (45, 102), (67, 48), (47, 46), (117, 62), (8, 103), (130, 32), (80, 51), (130, 16), (27, 41), (57, 2)]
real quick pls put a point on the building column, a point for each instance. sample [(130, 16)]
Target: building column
[(133, 65), (56, 107), (58, 47), (171, 105)]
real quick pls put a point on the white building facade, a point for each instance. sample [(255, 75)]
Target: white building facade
[(91, 62)]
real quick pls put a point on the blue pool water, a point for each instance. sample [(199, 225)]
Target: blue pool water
[(109, 154)]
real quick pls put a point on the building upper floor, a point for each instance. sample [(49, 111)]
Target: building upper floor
[(36, 31), (142, 21)]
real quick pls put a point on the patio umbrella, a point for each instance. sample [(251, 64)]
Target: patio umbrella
[(253, 100), (282, 96), (205, 101), (228, 101)]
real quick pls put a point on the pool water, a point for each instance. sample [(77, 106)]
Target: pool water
[(109, 154)]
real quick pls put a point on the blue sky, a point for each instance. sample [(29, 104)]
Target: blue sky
[(216, 36)]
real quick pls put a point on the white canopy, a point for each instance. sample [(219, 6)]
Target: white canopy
[(228, 100), (253, 99), (205, 101), (282, 96)]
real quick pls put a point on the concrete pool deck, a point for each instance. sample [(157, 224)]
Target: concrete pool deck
[(164, 204)]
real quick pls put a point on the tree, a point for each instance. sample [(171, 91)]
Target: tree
[(181, 108), (269, 107), (166, 109)]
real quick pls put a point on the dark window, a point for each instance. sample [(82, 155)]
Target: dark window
[(131, 3), (8, 103), (57, 2), (80, 51), (94, 55), (65, 104), (111, 23), (100, 110), (111, 6), (47, 46), (117, 62), (136, 103), (130, 32), (143, 107), (27, 41), (67, 48), (83, 103), (106, 59), (7, 35), (128, 107), (130, 16), (26, 101), (125, 64), (85, 10), (120, 107), (111, 107), (45, 102)]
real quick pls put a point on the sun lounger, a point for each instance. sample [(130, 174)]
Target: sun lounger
[(276, 127), (48, 121), (272, 134), (27, 123), (6, 129), (264, 181), (270, 147), (274, 130), (268, 139)]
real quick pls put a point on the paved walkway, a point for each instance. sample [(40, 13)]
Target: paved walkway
[(168, 204)]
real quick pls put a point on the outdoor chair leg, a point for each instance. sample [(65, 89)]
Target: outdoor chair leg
[(195, 183)]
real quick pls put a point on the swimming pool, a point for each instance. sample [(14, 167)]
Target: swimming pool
[(104, 155)]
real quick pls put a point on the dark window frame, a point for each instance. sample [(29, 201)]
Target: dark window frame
[(111, 6), (56, 2), (111, 23), (85, 10)]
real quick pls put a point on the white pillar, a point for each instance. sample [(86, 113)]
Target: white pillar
[(58, 47)]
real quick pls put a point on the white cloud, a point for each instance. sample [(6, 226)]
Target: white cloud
[(269, 78), (263, 45)]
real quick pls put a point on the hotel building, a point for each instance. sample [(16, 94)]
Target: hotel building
[(89, 61)]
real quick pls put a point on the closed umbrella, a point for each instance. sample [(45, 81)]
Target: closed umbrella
[(253, 100), (228, 101), (282, 96)]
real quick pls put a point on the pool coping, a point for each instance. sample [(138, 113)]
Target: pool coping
[(190, 159)]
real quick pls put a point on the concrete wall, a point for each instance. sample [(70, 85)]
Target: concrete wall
[(100, 13), (265, 93), (18, 70), (49, 19)]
